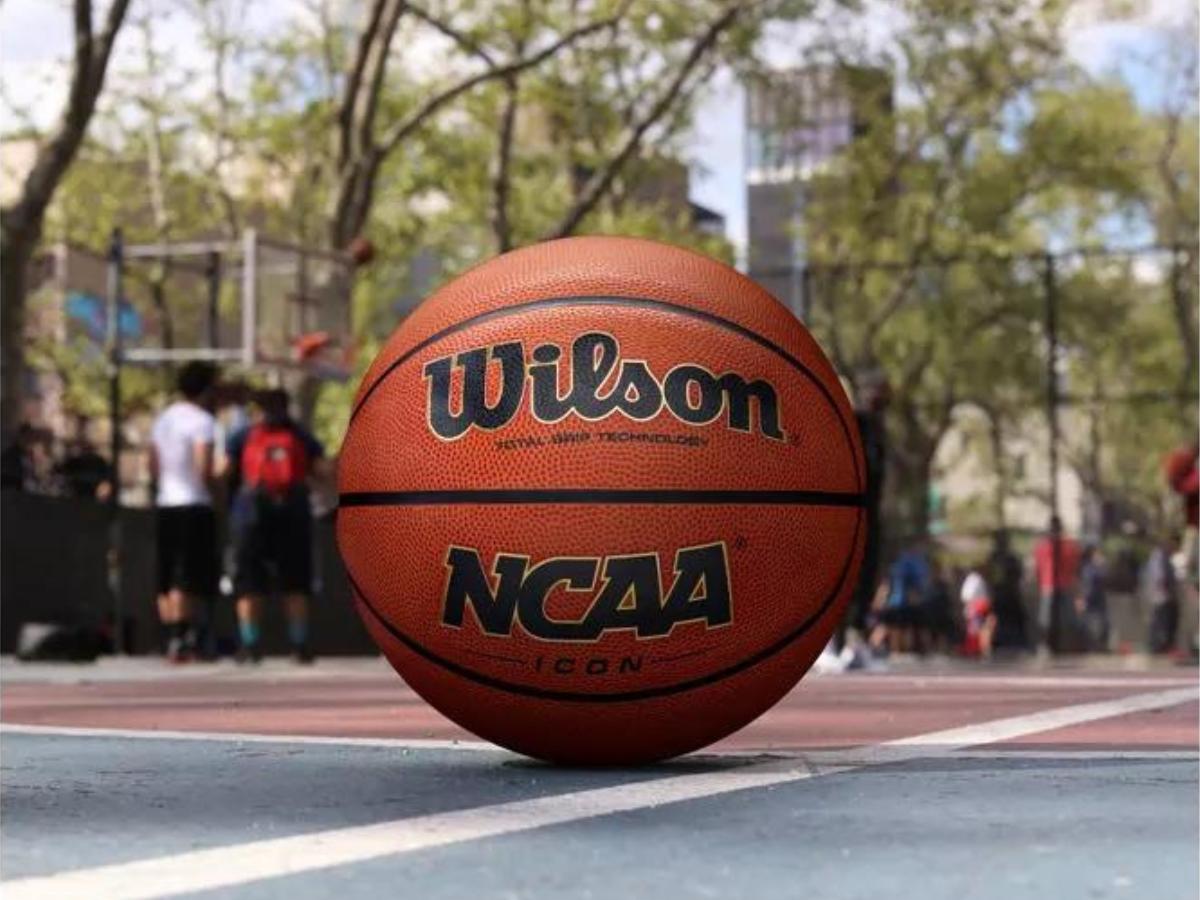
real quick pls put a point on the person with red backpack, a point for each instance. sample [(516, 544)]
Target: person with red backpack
[(270, 463)]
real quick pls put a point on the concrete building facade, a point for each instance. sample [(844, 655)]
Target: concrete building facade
[(797, 121)]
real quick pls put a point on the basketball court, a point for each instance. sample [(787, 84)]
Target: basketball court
[(128, 780)]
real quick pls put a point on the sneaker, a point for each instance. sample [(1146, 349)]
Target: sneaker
[(248, 655), (829, 662), (178, 652), (303, 655)]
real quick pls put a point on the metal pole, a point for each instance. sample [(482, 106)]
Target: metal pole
[(249, 295), (213, 273), (1050, 284), (113, 348), (796, 265)]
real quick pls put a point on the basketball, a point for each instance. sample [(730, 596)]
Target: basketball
[(361, 250), (601, 500)]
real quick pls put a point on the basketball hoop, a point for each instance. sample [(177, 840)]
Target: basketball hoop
[(321, 356)]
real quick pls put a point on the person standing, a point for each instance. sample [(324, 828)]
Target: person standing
[(936, 615), (1091, 603), (1056, 565), (1161, 591), (182, 446), (271, 462), (84, 473), (1182, 469), (899, 619), (979, 618), (1003, 573), (1183, 477), (25, 463)]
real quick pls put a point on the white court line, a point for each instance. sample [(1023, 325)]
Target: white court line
[(1060, 682), (845, 756), (1082, 755), (937, 743), (228, 866), (1049, 719), (236, 737)]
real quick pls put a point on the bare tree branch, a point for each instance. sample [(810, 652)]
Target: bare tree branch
[(375, 68), (405, 127), (354, 74), (219, 26), (500, 181), (1178, 223), (472, 47), (501, 178), (91, 57), (328, 28), (600, 182)]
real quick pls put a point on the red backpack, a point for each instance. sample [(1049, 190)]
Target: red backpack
[(274, 461)]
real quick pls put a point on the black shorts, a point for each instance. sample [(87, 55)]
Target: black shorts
[(938, 618), (186, 542), (273, 548), (903, 616)]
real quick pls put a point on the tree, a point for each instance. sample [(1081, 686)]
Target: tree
[(925, 234), (21, 223), (602, 85), (371, 111), (929, 180), (541, 153), (537, 120)]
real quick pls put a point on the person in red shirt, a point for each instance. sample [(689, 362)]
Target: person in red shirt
[(270, 465), (1183, 475), (1054, 580)]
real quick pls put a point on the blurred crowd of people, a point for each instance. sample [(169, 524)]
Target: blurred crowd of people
[(233, 501), (234, 508), (1057, 597), (928, 599)]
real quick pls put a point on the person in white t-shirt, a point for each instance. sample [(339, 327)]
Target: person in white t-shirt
[(979, 617), (182, 448)]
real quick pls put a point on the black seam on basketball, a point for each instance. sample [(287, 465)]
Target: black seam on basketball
[(626, 696), (600, 496), (621, 301)]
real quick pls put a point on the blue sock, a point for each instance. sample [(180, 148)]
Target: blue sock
[(248, 632), (298, 632)]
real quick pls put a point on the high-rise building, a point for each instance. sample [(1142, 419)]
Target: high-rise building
[(797, 120)]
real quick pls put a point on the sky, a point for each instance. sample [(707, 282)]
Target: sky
[(35, 35)]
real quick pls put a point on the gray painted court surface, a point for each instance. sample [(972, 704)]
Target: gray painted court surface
[(975, 829), (963, 814)]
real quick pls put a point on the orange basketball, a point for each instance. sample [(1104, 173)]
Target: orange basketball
[(601, 500)]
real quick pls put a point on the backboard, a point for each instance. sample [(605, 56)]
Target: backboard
[(249, 302)]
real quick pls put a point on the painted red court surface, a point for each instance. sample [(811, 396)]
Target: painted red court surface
[(363, 698)]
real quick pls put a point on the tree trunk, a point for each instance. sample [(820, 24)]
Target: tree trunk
[(14, 269), (907, 503), (1001, 470), (23, 220), (911, 449), (1183, 303)]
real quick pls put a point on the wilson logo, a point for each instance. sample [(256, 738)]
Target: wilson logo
[(626, 593), (599, 383)]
